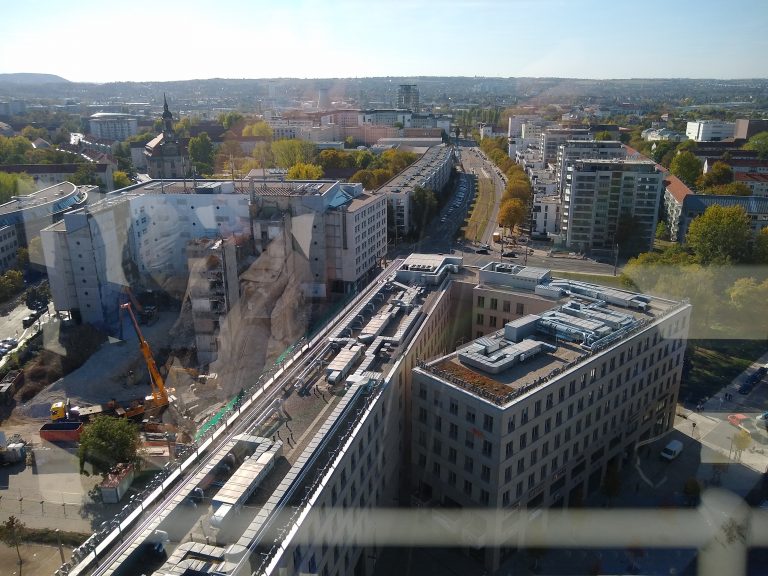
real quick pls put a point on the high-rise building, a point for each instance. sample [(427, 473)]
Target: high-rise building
[(113, 126), (408, 97)]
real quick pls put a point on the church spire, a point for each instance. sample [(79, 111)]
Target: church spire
[(167, 117)]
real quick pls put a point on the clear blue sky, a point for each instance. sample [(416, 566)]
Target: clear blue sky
[(142, 40)]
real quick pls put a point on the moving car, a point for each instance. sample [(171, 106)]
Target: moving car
[(509, 254), (482, 251)]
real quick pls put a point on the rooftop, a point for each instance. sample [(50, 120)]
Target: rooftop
[(530, 351), (417, 172)]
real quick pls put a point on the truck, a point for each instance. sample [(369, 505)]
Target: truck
[(61, 431), (497, 237), (62, 411)]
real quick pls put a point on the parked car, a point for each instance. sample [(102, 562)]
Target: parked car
[(482, 251), (745, 387), (509, 254), (672, 450), (486, 246)]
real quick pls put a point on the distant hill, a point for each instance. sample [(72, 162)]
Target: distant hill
[(30, 78)]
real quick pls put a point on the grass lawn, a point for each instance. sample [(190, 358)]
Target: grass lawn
[(481, 212), (714, 363)]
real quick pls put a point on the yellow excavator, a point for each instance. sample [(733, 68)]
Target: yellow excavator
[(150, 406)]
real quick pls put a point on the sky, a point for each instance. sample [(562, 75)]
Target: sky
[(159, 40)]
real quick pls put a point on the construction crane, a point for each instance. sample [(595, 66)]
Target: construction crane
[(159, 397)]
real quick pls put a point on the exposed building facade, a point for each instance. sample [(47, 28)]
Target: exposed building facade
[(709, 130), (408, 97)]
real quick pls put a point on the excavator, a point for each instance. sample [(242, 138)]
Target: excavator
[(151, 405)]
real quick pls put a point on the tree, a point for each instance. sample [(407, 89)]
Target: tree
[(741, 441), (290, 152), (732, 189), (31, 133), (229, 119), (302, 171), (720, 173), (603, 135), (106, 441), (743, 294), (686, 167), (721, 235), (424, 207), (201, 153), (759, 143), (22, 258), (258, 129), (120, 179), (760, 248), (15, 185), (511, 213), (85, 175), (364, 177), (662, 231), (12, 533)]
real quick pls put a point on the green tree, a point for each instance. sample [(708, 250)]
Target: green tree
[(15, 185), (201, 153), (720, 173), (686, 167), (120, 179), (759, 143), (12, 533), (603, 135), (290, 152), (31, 133), (302, 171), (743, 295), (721, 235), (662, 231), (13, 149), (85, 175), (760, 248), (106, 441), (364, 177), (731, 189), (511, 213), (258, 129), (424, 204), (22, 258), (230, 119)]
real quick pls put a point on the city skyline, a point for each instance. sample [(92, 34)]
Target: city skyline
[(310, 39)]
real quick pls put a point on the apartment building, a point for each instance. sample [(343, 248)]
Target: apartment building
[(546, 214), (552, 138), (572, 150), (531, 414), (675, 192), (113, 126), (709, 130), (432, 171), (694, 205), (598, 194), (757, 182)]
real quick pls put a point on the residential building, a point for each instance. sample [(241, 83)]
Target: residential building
[(694, 205), (562, 382), (432, 171), (552, 138), (572, 150), (113, 126), (546, 215), (408, 97), (675, 192), (709, 130), (385, 117), (662, 134), (598, 194), (757, 182), (739, 165)]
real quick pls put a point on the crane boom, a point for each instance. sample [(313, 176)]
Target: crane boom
[(159, 393)]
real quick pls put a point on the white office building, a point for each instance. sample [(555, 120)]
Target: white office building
[(113, 126)]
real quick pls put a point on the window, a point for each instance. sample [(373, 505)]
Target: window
[(485, 497), (487, 423), (451, 477), (505, 306), (469, 464), (519, 309), (485, 473), (481, 301), (494, 304), (452, 455), (467, 487), (523, 440), (453, 431), (487, 448), (537, 408), (453, 407), (511, 424), (509, 449), (520, 465), (480, 319), (422, 414), (469, 439), (470, 416)]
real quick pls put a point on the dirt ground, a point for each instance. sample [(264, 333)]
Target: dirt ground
[(37, 559)]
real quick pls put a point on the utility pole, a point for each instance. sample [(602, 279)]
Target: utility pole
[(615, 259)]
